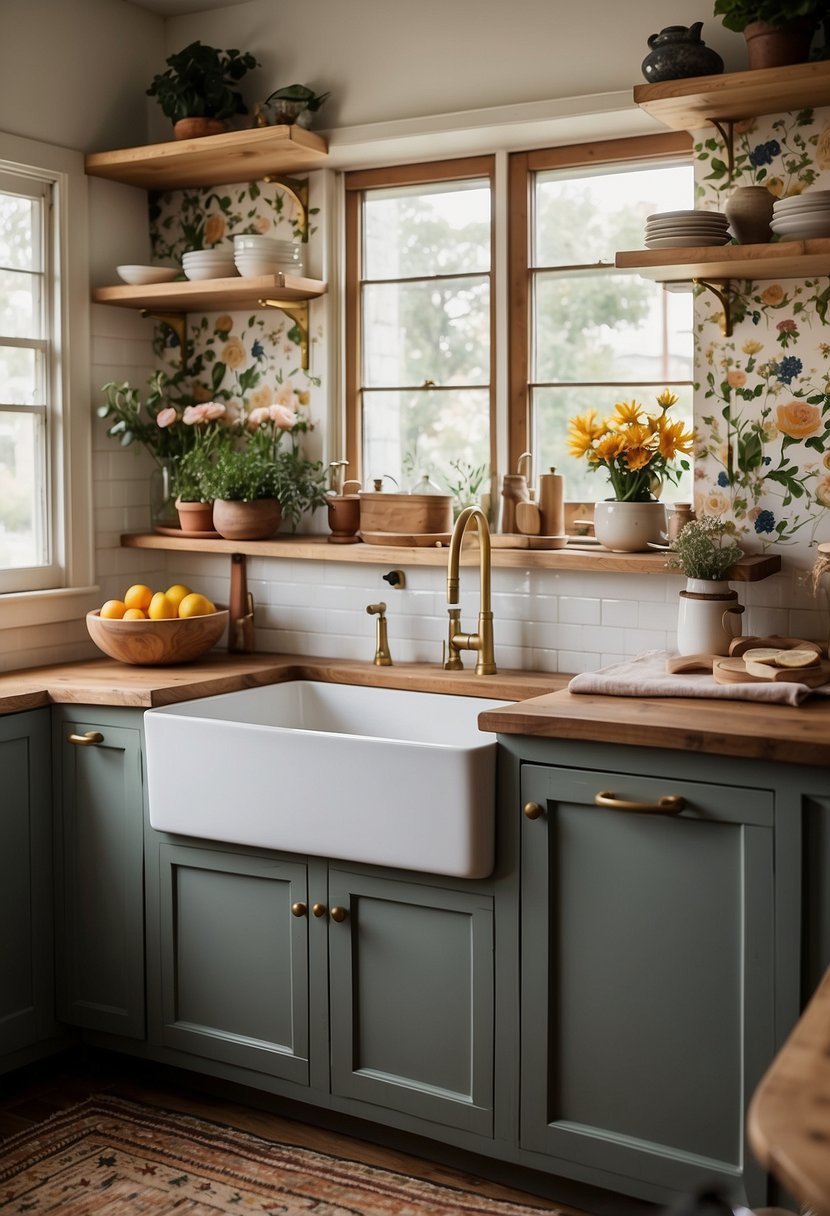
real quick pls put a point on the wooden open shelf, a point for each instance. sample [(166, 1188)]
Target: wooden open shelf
[(212, 160), (690, 103), (208, 295), (779, 260), (317, 548)]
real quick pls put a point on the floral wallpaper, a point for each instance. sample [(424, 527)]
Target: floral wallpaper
[(762, 398), (248, 360)]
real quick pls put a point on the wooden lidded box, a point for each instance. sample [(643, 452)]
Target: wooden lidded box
[(405, 518)]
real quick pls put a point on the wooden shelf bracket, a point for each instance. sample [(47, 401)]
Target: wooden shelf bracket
[(177, 321), (297, 310), (297, 188), (720, 289), (725, 127)]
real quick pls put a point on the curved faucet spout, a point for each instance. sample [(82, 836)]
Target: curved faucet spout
[(482, 641)]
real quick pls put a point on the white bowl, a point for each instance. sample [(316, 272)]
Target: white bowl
[(139, 275), (252, 241), (220, 270), (256, 268)]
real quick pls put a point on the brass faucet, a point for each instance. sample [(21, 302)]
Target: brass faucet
[(382, 656), (482, 641)]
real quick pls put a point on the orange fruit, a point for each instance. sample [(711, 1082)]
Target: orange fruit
[(176, 593), (134, 614), (138, 596), (161, 608), (113, 610), (196, 605)]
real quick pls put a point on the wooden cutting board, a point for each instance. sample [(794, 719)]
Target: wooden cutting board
[(733, 671)]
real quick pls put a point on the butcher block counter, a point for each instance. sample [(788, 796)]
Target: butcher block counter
[(107, 682), (795, 735)]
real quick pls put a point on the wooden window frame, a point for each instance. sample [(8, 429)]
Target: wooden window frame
[(355, 184), (522, 166)]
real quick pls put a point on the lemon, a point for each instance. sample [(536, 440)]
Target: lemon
[(176, 594), (134, 614), (161, 608), (138, 596), (195, 605), (113, 610)]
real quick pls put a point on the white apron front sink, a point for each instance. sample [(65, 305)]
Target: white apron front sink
[(375, 775)]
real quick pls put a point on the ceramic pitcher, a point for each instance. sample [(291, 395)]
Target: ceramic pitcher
[(707, 621)]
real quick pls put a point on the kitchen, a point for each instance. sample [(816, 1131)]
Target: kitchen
[(548, 620)]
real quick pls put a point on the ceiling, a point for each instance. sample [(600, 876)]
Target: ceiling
[(176, 8)]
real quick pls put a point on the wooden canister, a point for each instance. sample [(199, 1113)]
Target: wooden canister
[(410, 514)]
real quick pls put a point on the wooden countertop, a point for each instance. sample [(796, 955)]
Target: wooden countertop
[(788, 1122), (795, 735), (107, 682)]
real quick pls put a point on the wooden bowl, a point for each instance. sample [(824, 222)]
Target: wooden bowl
[(157, 643)]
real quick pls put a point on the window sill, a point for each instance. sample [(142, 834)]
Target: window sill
[(23, 608), (316, 548)]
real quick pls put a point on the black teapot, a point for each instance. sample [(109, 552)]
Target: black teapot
[(678, 51)]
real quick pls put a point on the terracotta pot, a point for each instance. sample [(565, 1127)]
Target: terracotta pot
[(749, 211), (195, 516), (770, 47), (255, 520), (194, 128)]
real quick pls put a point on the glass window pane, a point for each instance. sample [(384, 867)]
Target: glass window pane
[(586, 217), (21, 376), (608, 326), (20, 310), (552, 409), (20, 245), (407, 434), (437, 330), (426, 230), (22, 476)]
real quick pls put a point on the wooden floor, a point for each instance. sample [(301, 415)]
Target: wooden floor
[(33, 1094)]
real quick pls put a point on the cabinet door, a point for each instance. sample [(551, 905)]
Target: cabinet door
[(411, 1002), (100, 922), (647, 995), (234, 959), (26, 948)]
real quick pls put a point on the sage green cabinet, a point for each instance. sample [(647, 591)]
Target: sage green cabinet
[(26, 944), (647, 986), (99, 825)]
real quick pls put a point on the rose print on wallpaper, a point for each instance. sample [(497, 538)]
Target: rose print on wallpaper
[(762, 400)]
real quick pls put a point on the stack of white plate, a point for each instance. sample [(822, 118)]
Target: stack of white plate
[(672, 229), (208, 264), (802, 217), (258, 255)]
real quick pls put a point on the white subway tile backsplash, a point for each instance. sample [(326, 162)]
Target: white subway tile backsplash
[(621, 613), (580, 611)]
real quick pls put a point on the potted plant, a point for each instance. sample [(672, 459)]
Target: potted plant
[(777, 32), (640, 452), (294, 103), (705, 550), (200, 84)]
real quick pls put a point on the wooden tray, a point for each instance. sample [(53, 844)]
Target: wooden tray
[(733, 671), (406, 539)]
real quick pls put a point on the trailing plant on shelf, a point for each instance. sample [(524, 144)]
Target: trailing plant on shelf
[(705, 548), (738, 14), (200, 83)]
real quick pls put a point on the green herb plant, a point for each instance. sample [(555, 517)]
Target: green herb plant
[(200, 83), (705, 548)]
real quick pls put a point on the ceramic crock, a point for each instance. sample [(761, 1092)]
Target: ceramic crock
[(678, 51), (708, 618), (630, 527)]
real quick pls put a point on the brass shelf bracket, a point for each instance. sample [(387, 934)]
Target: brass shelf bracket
[(297, 311), (177, 321), (297, 188), (720, 290), (725, 127)]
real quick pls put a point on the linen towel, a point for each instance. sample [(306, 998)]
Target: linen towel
[(646, 676)]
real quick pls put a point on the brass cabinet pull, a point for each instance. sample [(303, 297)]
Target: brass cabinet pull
[(669, 804), (532, 810), (319, 909), (338, 914), (88, 740), (298, 909)]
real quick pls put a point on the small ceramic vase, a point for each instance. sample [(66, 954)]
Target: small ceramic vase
[(677, 52), (630, 527), (709, 617), (749, 211)]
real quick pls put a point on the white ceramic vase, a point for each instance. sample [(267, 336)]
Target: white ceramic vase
[(709, 617), (630, 527)]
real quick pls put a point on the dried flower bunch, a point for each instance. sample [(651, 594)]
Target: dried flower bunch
[(705, 548), (638, 450)]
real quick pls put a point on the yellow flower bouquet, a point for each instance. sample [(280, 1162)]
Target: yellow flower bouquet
[(640, 451)]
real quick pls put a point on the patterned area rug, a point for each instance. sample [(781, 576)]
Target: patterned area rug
[(110, 1156)]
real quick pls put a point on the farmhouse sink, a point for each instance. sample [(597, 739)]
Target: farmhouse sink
[(376, 775)]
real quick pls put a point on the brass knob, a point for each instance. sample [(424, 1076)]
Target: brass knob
[(318, 910), (87, 740), (532, 810), (298, 909), (338, 914)]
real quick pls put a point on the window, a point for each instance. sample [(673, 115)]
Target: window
[(587, 335), (43, 319), (420, 322)]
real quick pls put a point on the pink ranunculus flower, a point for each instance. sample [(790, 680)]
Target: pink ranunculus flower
[(214, 410), (166, 417), (283, 417), (194, 414), (258, 416)]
